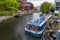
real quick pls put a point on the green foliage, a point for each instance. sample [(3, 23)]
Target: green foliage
[(45, 7), (8, 5), (2, 13), (7, 13)]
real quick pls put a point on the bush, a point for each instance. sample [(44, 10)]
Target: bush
[(8, 5), (2, 13), (45, 7), (8, 13)]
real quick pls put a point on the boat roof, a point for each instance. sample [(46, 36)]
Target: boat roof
[(45, 20), (40, 21)]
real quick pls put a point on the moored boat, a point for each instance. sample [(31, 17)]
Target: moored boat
[(36, 27)]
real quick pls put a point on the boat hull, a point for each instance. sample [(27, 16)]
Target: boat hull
[(37, 26), (33, 34)]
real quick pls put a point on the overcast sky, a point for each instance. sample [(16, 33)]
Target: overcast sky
[(39, 2)]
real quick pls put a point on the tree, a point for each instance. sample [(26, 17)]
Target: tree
[(45, 7), (8, 6)]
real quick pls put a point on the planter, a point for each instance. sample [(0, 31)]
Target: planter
[(56, 13)]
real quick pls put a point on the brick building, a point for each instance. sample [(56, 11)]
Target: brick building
[(21, 3), (25, 5)]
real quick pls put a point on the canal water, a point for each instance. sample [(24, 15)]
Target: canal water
[(13, 28)]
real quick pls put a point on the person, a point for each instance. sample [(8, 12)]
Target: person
[(46, 35), (51, 33), (51, 11)]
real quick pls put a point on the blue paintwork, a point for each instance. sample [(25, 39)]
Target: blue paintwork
[(36, 23), (32, 34)]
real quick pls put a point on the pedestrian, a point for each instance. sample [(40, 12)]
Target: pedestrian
[(46, 36), (51, 34), (52, 10)]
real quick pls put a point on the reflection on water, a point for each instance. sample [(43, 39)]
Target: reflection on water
[(13, 29)]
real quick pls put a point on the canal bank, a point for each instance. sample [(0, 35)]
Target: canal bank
[(20, 13), (4, 18), (13, 28)]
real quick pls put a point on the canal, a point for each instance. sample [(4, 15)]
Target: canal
[(13, 29)]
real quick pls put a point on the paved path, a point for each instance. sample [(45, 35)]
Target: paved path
[(4, 17)]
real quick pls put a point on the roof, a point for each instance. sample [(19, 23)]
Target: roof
[(40, 21)]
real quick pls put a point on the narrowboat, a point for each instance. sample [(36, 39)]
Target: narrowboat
[(36, 27)]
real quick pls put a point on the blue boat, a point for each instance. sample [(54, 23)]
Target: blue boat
[(36, 27)]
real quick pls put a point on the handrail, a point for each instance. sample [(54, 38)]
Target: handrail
[(45, 20)]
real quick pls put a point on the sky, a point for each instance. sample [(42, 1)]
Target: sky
[(39, 2)]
